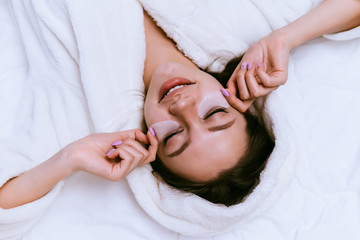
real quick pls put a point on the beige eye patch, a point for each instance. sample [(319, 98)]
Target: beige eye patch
[(215, 99), (164, 127)]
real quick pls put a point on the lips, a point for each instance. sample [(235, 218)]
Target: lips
[(169, 84)]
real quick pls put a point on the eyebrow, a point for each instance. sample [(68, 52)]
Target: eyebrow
[(222, 127), (181, 149), (212, 129)]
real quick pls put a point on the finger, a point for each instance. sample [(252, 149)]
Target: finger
[(136, 158), (111, 154), (114, 171), (238, 104), (275, 79), (137, 146), (123, 150), (120, 170), (153, 147), (258, 66), (140, 136), (126, 151), (130, 158), (241, 83), (116, 138), (263, 91), (251, 82), (231, 84)]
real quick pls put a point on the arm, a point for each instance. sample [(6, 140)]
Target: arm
[(331, 16), (88, 154), (270, 55)]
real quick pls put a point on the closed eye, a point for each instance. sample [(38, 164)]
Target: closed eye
[(213, 111), (171, 134)]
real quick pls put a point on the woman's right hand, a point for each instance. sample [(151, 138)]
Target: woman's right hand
[(96, 154), (89, 154)]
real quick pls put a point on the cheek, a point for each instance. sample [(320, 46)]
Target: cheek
[(151, 111), (147, 115)]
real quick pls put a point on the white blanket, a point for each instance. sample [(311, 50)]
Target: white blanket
[(68, 68), (71, 65)]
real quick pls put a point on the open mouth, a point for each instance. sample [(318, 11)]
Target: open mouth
[(173, 85)]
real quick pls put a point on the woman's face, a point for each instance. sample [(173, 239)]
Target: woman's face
[(199, 133)]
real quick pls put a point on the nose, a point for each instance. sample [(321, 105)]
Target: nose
[(184, 107)]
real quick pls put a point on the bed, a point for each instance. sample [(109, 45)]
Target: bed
[(58, 74)]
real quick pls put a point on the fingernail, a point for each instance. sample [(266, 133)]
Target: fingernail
[(111, 150), (225, 93), (250, 65), (259, 64), (116, 143), (152, 131), (243, 65)]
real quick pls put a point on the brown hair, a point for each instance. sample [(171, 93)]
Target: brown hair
[(234, 184)]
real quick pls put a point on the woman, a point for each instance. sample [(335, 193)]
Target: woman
[(265, 71), (203, 172)]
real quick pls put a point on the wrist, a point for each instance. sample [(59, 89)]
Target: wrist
[(286, 37), (65, 162)]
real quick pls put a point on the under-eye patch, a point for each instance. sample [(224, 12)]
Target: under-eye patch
[(164, 127), (215, 99)]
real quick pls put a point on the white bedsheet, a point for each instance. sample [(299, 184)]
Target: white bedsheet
[(321, 200)]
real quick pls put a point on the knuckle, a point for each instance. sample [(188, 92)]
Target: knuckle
[(244, 95), (152, 158), (241, 108), (141, 156), (138, 131), (255, 93), (126, 141), (266, 82)]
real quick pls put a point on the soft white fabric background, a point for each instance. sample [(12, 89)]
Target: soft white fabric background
[(62, 85)]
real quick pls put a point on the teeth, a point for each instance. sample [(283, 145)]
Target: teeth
[(173, 89)]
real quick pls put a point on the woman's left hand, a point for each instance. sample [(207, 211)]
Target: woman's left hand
[(263, 69)]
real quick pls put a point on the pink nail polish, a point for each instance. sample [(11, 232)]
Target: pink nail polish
[(250, 65), (152, 131), (259, 64), (243, 65), (116, 143), (225, 93), (111, 150)]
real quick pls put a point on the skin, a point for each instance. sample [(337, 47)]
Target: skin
[(197, 162)]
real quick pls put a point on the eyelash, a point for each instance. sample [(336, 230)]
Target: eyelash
[(206, 117), (214, 111), (171, 135)]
